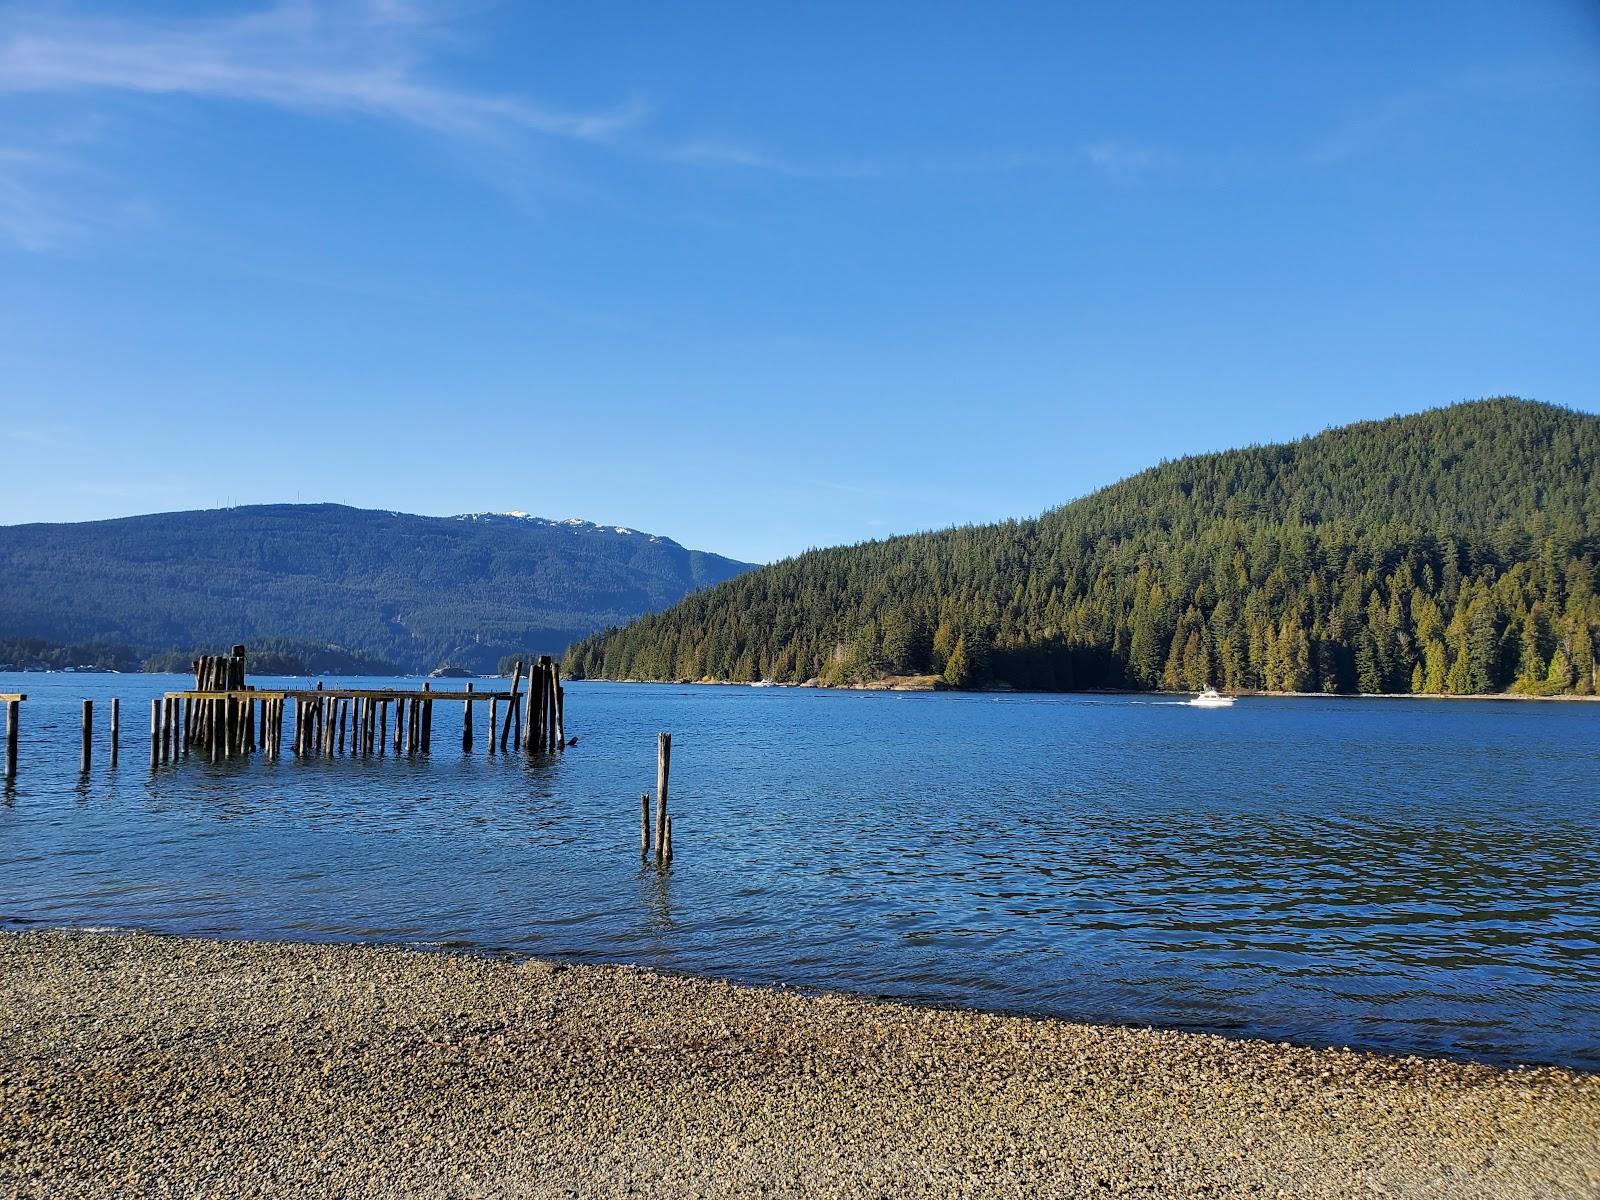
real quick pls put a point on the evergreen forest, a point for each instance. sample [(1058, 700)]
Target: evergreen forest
[(1449, 552)]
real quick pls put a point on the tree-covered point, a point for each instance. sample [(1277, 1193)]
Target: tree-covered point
[(1453, 551), (37, 654)]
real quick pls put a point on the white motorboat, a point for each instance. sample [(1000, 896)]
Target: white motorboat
[(1210, 698), (763, 683)]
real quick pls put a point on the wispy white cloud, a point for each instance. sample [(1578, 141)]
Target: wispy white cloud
[(363, 58), (1124, 158), (1372, 126), (721, 153)]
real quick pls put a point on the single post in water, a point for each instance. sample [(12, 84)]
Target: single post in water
[(13, 719), (466, 721), (88, 734), (644, 824), (663, 768), (116, 727)]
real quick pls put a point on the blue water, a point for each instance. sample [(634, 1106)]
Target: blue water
[(1416, 876)]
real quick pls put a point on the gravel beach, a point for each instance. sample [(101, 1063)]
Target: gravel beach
[(133, 1065)]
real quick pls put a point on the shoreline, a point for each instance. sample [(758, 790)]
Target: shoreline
[(134, 1062), (901, 684)]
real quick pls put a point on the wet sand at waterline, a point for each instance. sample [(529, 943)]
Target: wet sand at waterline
[(139, 1065)]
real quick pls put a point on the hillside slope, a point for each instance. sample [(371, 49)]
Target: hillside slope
[(414, 590), (1450, 551)]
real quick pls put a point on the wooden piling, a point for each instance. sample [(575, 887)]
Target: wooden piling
[(667, 854), (13, 721), (530, 711), (511, 704), (116, 727), (466, 721), (561, 710), (87, 740), (494, 716), (427, 721), (663, 769), (644, 824), (155, 734), (383, 726)]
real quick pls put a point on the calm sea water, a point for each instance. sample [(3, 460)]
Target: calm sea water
[(1417, 876)]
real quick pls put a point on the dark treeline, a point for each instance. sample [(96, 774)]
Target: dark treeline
[(37, 654), (1449, 552), (282, 656)]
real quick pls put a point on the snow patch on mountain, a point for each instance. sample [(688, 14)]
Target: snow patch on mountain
[(572, 524)]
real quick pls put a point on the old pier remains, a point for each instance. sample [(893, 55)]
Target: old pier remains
[(224, 716)]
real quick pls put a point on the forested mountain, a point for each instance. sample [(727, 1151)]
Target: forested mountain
[(417, 591), (1451, 551)]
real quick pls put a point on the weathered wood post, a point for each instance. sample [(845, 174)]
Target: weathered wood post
[(155, 733), (383, 726), (87, 737), (13, 721), (116, 727), (667, 854), (466, 721), (663, 768), (494, 717), (644, 824), (427, 721), (511, 704), (561, 709)]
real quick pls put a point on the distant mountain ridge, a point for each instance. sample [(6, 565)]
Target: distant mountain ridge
[(1450, 551), (415, 590)]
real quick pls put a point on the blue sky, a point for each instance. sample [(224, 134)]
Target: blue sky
[(764, 278)]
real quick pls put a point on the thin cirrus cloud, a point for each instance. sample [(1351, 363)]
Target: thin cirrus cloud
[(364, 59), (361, 58)]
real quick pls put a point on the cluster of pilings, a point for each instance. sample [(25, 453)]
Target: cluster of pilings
[(231, 723), (542, 726), (234, 718), (225, 717), (326, 722), (663, 839)]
